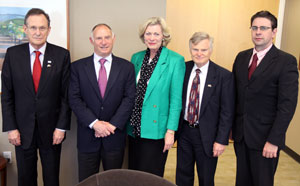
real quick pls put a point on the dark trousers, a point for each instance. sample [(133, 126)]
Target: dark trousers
[(89, 163), (27, 163), (190, 151), (147, 155), (252, 168)]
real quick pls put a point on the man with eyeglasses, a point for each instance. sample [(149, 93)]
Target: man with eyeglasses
[(267, 89), (35, 109)]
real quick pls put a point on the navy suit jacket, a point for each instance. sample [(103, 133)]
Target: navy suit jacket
[(22, 108), (266, 103), (217, 106), (88, 105)]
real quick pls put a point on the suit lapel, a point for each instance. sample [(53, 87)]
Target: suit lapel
[(91, 74), (48, 67), (264, 64), (189, 67), (113, 75), (158, 71), (209, 86), (26, 68)]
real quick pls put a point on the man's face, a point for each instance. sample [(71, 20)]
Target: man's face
[(37, 30), (201, 52), (103, 41), (262, 33)]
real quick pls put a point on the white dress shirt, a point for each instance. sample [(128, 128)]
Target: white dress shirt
[(203, 75)]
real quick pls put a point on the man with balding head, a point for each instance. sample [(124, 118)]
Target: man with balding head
[(101, 94)]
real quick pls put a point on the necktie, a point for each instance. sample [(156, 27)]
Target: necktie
[(193, 107), (37, 70), (252, 66), (102, 80)]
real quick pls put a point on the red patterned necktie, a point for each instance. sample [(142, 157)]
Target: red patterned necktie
[(193, 107), (102, 79), (37, 70), (252, 66)]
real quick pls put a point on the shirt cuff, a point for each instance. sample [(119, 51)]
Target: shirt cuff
[(93, 123)]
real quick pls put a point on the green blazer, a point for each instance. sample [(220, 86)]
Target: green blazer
[(163, 99)]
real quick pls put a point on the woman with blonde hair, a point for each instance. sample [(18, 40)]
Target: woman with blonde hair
[(159, 76)]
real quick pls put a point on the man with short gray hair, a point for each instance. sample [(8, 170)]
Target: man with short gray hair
[(207, 114)]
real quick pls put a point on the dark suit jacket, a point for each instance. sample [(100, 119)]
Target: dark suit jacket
[(266, 103), (22, 108), (217, 106), (88, 105)]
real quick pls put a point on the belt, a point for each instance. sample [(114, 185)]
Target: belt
[(194, 125)]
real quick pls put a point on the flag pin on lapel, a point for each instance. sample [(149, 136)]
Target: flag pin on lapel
[(209, 85), (49, 64)]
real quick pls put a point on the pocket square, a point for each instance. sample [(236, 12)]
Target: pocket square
[(209, 85)]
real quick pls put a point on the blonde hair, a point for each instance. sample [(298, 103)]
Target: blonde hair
[(156, 21), (200, 36)]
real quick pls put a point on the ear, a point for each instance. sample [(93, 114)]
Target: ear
[(91, 40), (274, 31)]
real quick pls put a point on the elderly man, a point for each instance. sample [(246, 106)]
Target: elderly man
[(207, 114), (35, 110)]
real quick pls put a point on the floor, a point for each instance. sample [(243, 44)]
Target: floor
[(288, 170)]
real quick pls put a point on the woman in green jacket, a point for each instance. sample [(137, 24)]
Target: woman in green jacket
[(159, 76)]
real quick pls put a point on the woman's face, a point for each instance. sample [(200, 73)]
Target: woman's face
[(153, 37)]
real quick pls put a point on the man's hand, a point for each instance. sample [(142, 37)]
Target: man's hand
[(58, 136), (270, 150), (14, 137), (102, 129), (218, 149), (169, 140)]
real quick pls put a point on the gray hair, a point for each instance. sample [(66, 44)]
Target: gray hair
[(200, 36)]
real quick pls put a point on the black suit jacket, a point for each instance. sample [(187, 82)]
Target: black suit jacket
[(22, 108), (217, 106), (266, 103), (88, 105)]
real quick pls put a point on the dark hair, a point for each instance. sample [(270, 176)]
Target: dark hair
[(36, 11), (267, 15)]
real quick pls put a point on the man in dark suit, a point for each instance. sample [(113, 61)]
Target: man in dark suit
[(35, 110), (102, 102), (267, 90), (207, 114)]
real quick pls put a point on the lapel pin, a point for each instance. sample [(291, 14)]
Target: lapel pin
[(209, 85), (49, 64)]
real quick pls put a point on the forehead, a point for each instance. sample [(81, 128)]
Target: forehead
[(37, 20), (203, 44), (102, 31), (154, 28), (261, 21)]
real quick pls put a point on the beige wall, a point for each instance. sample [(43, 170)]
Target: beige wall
[(124, 17), (228, 21), (291, 44)]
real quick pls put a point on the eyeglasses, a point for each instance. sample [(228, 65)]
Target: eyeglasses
[(261, 28), (34, 28)]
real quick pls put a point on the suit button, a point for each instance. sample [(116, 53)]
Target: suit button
[(154, 121), (101, 108), (154, 106)]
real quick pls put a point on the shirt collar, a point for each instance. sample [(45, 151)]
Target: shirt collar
[(262, 53), (203, 69), (42, 49), (108, 58)]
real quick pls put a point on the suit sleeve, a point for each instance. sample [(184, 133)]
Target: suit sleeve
[(287, 101), (176, 93), (226, 109), (65, 111), (7, 96), (124, 111)]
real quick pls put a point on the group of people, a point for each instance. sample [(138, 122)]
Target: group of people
[(155, 99)]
